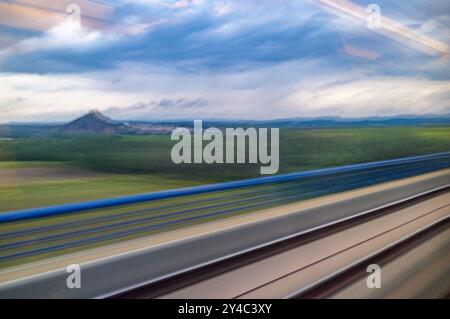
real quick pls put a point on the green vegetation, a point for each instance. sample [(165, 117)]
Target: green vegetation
[(136, 164), (52, 192)]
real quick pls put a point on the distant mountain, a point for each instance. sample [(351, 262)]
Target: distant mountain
[(95, 122)]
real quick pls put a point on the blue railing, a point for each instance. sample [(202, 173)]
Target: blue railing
[(196, 190)]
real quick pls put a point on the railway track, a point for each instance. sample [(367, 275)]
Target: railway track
[(202, 281), (347, 282)]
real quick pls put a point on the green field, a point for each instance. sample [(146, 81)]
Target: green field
[(123, 165)]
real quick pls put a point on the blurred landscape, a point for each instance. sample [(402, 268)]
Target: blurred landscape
[(96, 157)]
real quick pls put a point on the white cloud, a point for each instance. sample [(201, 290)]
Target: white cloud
[(370, 96), (134, 26), (182, 4), (67, 35), (171, 4), (222, 8), (304, 88)]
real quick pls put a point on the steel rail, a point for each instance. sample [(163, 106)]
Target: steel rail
[(185, 278), (343, 277)]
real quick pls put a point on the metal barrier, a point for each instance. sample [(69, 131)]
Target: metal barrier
[(444, 159)]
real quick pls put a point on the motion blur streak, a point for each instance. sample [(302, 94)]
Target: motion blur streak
[(388, 27), (43, 15)]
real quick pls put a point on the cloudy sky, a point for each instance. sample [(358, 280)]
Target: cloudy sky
[(223, 59)]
